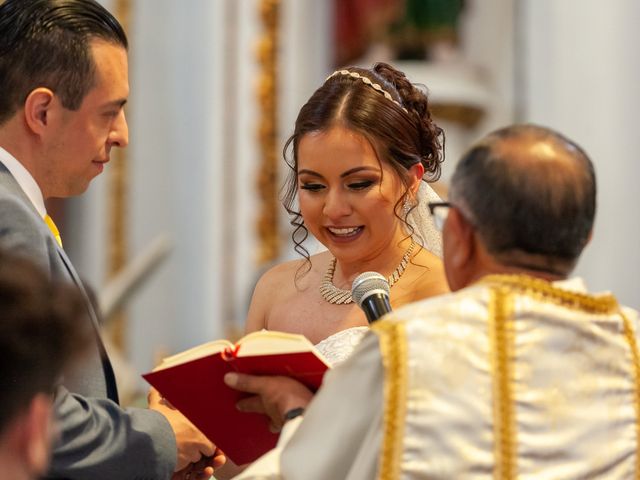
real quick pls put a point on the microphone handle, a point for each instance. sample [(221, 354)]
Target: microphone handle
[(375, 306)]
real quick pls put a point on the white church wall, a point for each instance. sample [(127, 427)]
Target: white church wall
[(582, 73)]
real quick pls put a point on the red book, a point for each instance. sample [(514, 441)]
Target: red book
[(192, 381)]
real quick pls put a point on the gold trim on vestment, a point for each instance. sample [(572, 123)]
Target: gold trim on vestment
[(393, 348), (543, 290), (503, 337), (501, 349), (505, 292), (633, 346)]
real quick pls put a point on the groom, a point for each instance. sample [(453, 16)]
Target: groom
[(519, 372), (63, 84)]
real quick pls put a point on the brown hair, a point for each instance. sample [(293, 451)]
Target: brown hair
[(400, 130), (46, 43), (43, 326)]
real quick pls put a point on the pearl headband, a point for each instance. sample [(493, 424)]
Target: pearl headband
[(367, 81)]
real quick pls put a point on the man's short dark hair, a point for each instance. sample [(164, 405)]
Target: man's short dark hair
[(42, 326), (46, 43), (523, 196)]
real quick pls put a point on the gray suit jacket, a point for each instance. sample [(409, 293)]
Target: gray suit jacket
[(97, 439)]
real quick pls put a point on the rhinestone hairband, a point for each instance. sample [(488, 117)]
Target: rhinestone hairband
[(367, 81)]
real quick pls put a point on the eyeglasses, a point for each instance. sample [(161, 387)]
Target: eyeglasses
[(439, 212)]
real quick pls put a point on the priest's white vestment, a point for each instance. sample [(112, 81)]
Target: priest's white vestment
[(512, 377)]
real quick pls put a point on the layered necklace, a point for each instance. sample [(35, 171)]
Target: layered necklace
[(338, 296)]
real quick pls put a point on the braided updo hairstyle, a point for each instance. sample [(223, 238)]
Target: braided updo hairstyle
[(400, 129)]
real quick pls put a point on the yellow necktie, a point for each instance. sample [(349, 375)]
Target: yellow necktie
[(52, 226)]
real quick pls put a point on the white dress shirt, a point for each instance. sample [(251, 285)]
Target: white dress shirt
[(25, 180)]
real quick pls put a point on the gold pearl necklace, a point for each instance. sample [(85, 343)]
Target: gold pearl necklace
[(338, 296)]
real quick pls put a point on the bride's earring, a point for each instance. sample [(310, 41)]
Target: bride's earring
[(406, 206)]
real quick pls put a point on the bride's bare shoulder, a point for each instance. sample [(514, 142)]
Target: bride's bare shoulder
[(294, 273), (430, 279), (283, 284)]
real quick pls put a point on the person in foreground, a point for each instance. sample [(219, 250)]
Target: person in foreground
[(40, 333), (518, 374), (363, 148), (64, 83)]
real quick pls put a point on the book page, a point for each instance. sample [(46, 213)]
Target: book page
[(265, 342), (198, 351)]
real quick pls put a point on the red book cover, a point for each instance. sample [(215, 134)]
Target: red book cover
[(192, 381)]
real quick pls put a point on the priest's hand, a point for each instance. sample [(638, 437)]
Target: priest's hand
[(275, 396)]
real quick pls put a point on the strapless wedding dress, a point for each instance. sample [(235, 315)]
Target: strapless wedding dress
[(336, 348)]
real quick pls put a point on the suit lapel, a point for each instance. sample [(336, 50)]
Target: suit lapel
[(79, 284), (112, 390), (7, 179)]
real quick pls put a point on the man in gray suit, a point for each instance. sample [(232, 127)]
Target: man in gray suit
[(63, 84)]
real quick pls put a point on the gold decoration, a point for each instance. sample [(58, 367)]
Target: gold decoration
[(544, 290), (503, 292), (502, 334), (367, 81), (393, 348), (504, 425), (267, 225), (117, 198), (630, 335), (469, 116)]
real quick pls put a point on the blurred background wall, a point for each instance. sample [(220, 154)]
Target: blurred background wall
[(217, 84)]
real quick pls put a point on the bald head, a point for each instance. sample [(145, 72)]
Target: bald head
[(528, 190)]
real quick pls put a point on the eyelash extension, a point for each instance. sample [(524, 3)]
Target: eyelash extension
[(314, 187), (361, 185)]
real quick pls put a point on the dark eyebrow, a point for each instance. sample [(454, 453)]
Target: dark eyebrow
[(116, 103), (356, 170), (309, 172), (342, 175)]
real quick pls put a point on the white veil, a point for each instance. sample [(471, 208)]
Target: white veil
[(425, 232)]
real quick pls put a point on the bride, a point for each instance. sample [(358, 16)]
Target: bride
[(363, 149)]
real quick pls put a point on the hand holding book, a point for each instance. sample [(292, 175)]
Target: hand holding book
[(191, 443), (274, 396), (193, 382)]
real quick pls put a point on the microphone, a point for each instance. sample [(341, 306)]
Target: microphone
[(370, 290)]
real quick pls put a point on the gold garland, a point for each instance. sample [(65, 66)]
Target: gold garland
[(267, 225), (117, 199)]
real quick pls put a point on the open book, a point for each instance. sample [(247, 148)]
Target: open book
[(192, 381)]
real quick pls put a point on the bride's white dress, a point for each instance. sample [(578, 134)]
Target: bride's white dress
[(337, 347)]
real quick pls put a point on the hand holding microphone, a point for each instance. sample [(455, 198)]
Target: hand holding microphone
[(370, 291)]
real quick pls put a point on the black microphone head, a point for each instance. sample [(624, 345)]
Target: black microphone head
[(368, 283)]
